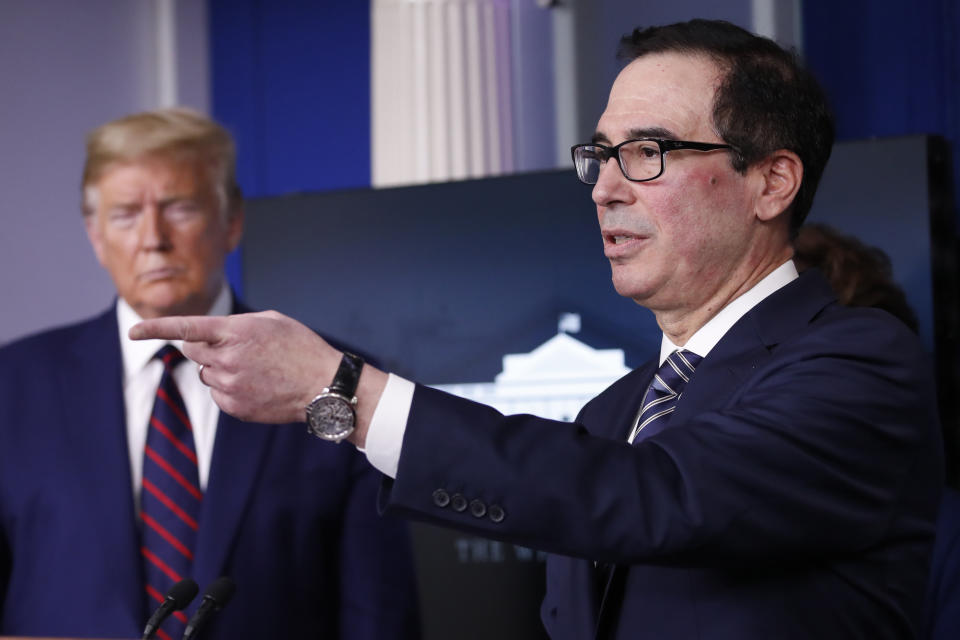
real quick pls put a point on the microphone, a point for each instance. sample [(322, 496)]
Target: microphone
[(177, 598), (216, 597)]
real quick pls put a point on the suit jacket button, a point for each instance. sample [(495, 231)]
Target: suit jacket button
[(441, 498), (458, 502), (477, 509), (496, 513)]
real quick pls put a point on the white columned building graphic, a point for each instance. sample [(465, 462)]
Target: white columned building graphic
[(553, 381)]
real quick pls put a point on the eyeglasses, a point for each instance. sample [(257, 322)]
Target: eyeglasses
[(640, 160)]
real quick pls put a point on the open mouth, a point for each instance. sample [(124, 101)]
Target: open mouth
[(619, 243), (619, 237)]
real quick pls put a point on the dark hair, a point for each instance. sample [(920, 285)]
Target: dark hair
[(766, 101), (859, 274)]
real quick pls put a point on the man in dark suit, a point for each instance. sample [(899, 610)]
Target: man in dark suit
[(774, 473), (92, 529)]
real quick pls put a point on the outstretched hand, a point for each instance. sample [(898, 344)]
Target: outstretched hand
[(262, 367)]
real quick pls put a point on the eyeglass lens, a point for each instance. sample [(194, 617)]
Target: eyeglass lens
[(640, 160)]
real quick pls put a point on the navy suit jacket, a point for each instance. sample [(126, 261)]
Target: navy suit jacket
[(792, 494), (291, 519)]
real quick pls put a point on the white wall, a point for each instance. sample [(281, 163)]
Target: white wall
[(66, 67)]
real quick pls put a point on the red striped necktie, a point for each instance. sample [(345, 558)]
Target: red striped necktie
[(170, 500)]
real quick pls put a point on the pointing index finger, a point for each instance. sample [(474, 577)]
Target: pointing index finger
[(208, 329)]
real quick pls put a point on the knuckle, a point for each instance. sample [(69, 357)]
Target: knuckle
[(188, 330), (227, 383)]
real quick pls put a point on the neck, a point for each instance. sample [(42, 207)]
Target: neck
[(679, 324)]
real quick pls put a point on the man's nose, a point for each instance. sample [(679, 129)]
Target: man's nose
[(154, 233), (612, 186)]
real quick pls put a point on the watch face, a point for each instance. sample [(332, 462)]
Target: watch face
[(331, 417)]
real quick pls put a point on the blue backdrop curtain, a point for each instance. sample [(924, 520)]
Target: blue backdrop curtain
[(291, 80), (890, 67)]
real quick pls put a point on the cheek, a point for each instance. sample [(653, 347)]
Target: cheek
[(118, 247), (725, 183), (686, 209), (707, 180), (717, 192), (204, 245), (698, 217)]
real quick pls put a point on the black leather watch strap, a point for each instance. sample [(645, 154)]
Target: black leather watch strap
[(348, 375)]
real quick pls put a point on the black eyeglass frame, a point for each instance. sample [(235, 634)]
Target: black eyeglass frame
[(665, 146)]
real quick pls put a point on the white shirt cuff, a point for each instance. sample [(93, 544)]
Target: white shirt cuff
[(389, 422)]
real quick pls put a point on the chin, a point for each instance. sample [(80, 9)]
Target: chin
[(629, 287), (173, 305), (149, 311)]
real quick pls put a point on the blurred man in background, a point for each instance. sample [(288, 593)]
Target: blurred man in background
[(119, 475)]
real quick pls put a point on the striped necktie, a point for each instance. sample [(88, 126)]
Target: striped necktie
[(170, 500), (659, 401), (661, 397)]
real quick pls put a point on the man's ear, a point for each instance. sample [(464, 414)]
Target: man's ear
[(781, 174), (235, 227), (93, 234)]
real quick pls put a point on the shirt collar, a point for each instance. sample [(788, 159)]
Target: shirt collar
[(707, 336), (137, 353)]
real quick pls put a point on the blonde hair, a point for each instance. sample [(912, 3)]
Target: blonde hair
[(175, 132)]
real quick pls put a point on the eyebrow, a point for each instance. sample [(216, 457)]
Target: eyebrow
[(174, 198), (647, 132)]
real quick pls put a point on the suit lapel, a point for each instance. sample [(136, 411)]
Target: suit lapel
[(750, 342), (719, 376), (94, 424), (238, 456)]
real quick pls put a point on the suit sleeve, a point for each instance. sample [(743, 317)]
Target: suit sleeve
[(377, 578), (830, 444)]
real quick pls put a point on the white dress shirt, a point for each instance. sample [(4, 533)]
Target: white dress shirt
[(389, 422), (141, 376)]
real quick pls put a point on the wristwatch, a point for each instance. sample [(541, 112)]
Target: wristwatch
[(332, 414)]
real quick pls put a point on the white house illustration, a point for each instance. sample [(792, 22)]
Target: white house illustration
[(553, 381)]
